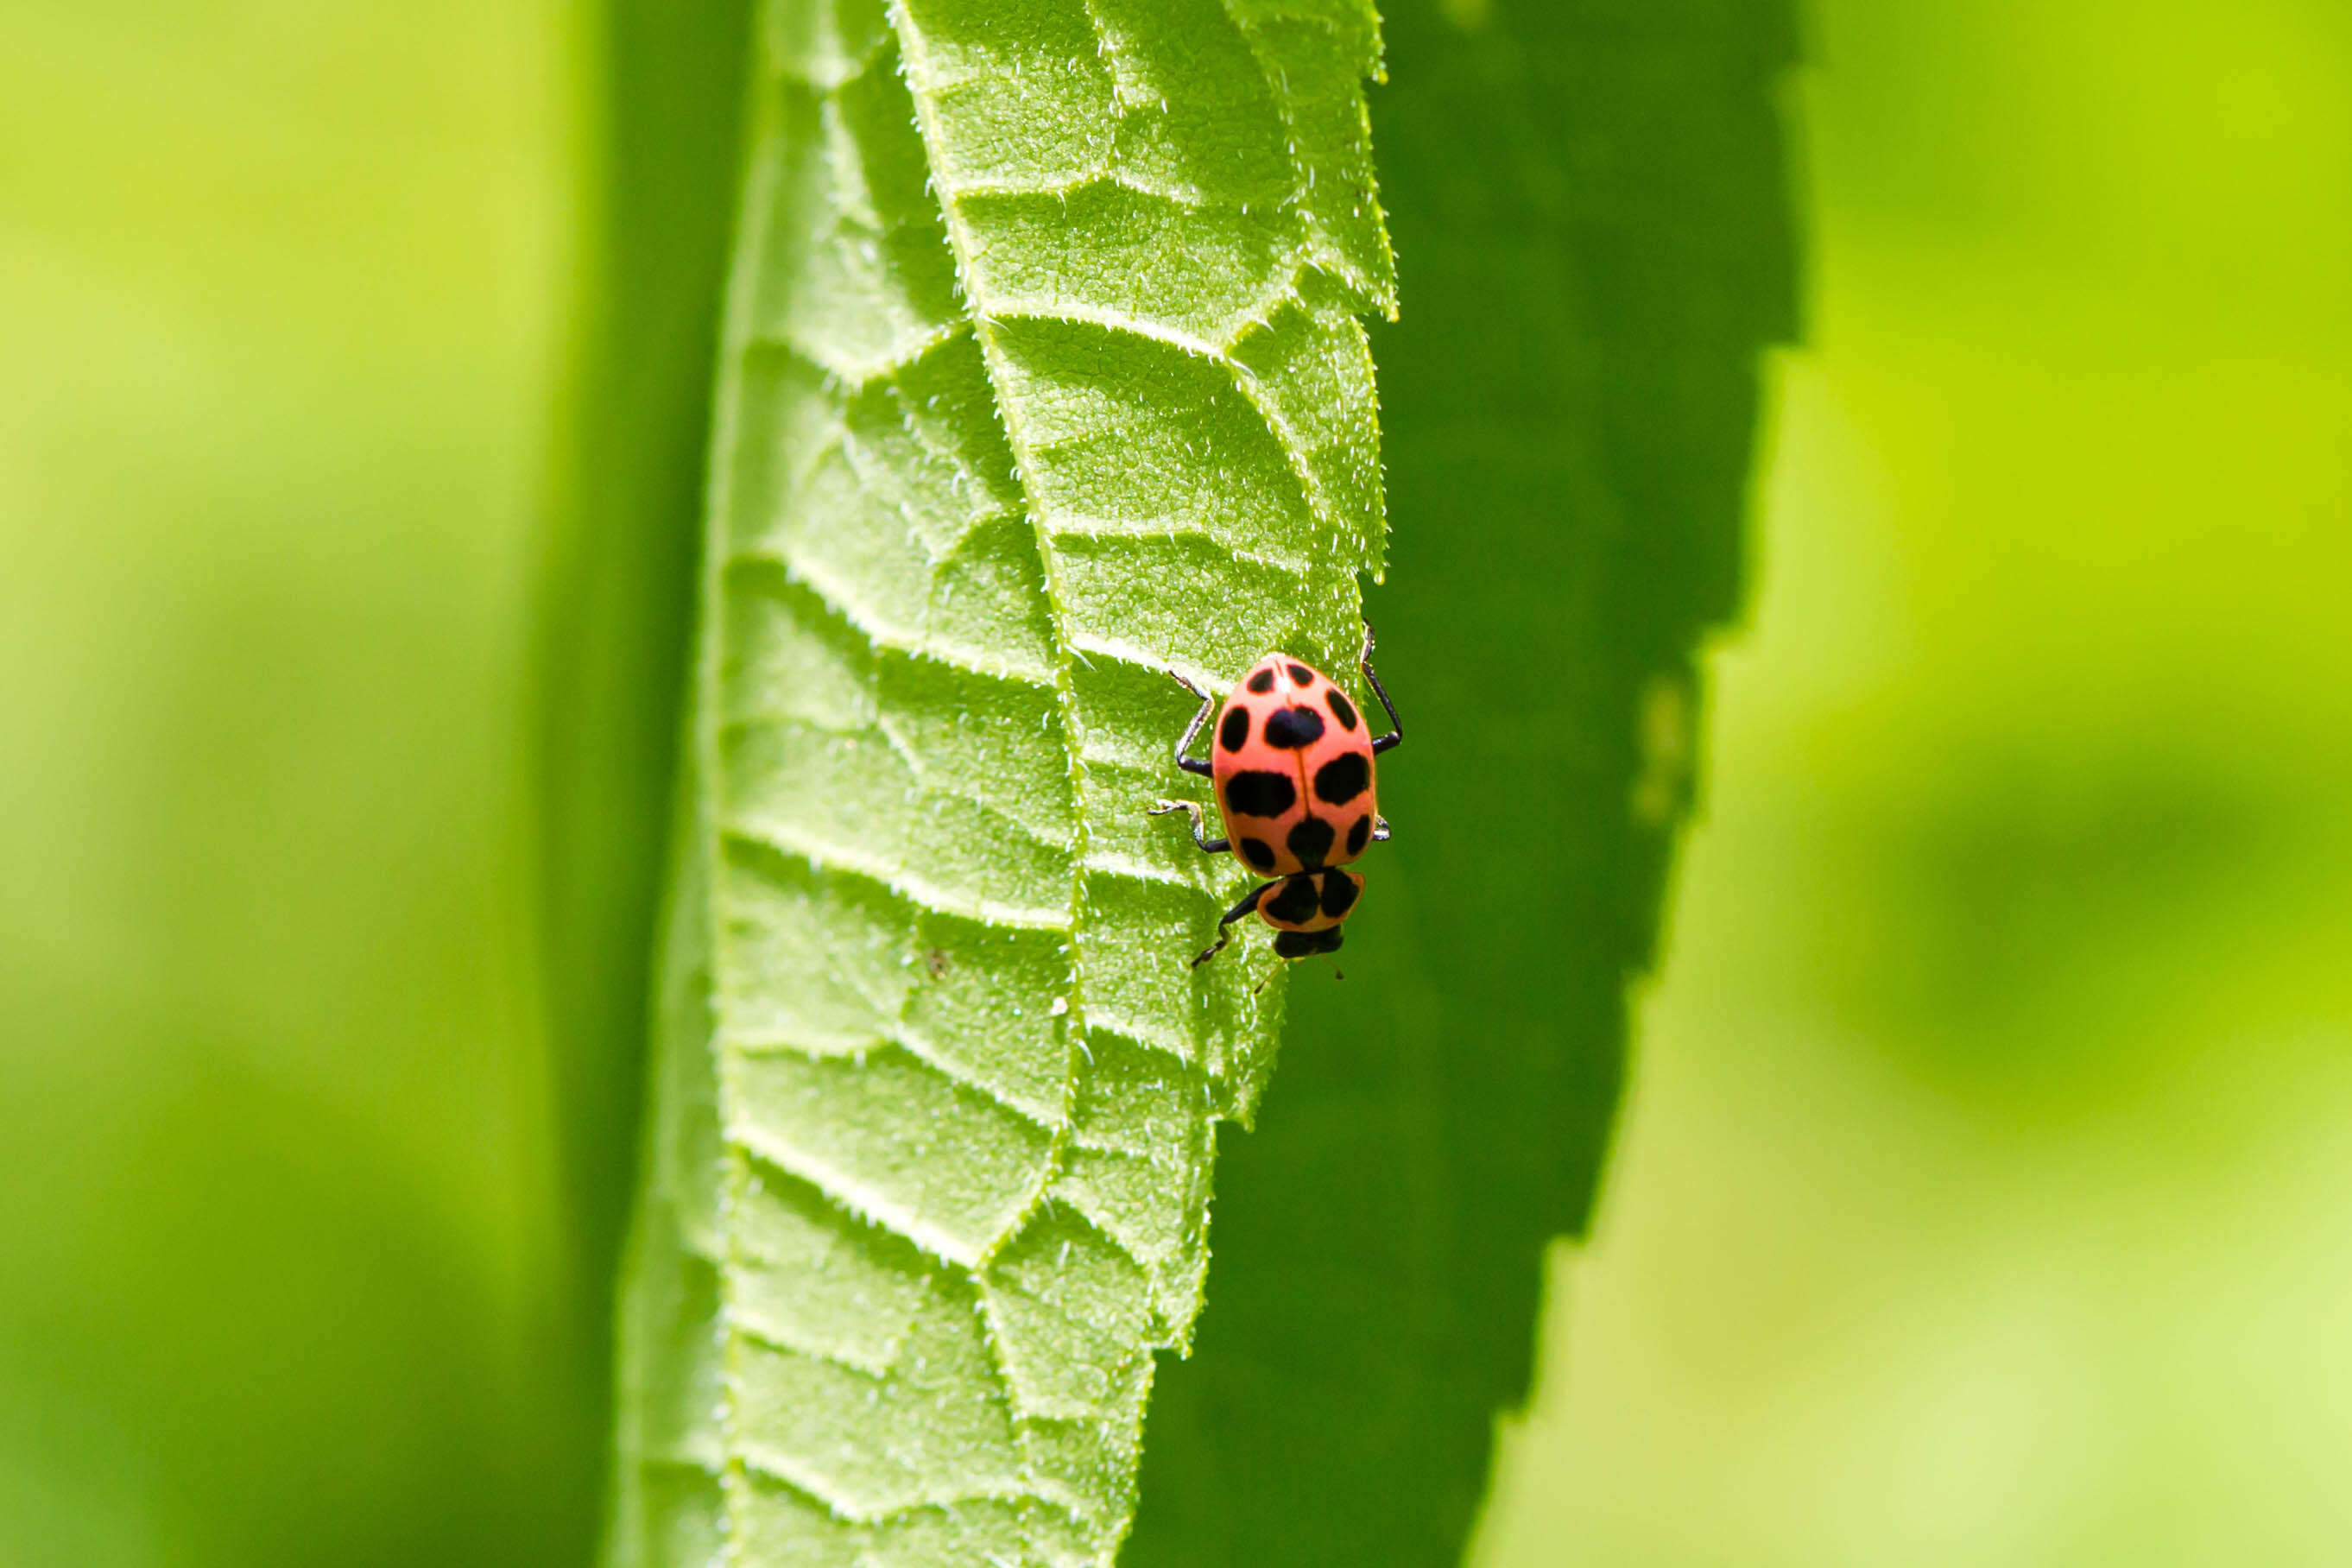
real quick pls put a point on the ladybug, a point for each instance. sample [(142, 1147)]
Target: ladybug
[(1292, 770)]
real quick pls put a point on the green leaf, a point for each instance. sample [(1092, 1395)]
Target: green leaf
[(1041, 376), (1587, 203), (613, 615)]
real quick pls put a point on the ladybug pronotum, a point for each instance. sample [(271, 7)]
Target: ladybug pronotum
[(1292, 763)]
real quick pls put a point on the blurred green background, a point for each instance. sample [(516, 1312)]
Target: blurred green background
[(280, 1266), (1985, 1191), (1985, 1195)]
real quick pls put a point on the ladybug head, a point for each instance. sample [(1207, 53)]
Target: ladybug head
[(1306, 943)]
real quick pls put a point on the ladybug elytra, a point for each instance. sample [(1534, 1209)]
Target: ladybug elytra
[(1292, 763)]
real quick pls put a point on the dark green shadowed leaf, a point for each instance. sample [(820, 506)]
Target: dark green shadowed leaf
[(1041, 374), (665, 91), (624, 519), (1594, 243)]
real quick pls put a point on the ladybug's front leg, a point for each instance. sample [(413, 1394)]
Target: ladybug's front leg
[(1396, 725), (1200, 825), (1208, 706), (1242, 911)]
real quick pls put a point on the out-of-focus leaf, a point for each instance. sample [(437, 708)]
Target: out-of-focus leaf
[(664, 109), (1042, 375), (624, 517), (1594, 245)]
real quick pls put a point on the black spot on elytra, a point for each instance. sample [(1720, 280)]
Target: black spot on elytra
[(1258, 792), (1233, 733), (1301, 676), (1339, 893), (1342, 779), (1343, 710), (1360, 835), (1306, 943), (1310, 840), (1262, 682), (1258, 853), (1296, 904), (1290, 728)]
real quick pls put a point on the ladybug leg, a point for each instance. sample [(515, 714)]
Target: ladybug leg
[(1396, 725), (1380, 830), (1242, 911), (1199, 828), (1208, 706)]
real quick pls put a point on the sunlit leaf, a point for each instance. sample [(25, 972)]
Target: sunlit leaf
[(1042, 375)]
